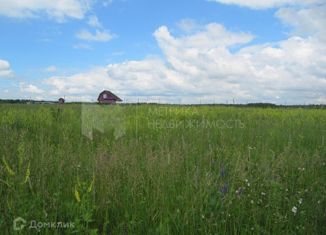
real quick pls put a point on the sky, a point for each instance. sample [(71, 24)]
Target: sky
[(185, 51)]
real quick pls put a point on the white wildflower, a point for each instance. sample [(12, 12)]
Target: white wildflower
[(300, 201), (294, 209), (262, 193)]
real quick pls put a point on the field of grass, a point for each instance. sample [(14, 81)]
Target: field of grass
[(155, 169)]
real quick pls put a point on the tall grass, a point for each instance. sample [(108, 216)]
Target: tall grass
[(173, 170)]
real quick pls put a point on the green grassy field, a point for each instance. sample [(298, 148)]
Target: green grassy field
[(150, 169)]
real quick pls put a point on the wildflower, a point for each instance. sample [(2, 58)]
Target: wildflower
[(263, 194), (252, 201), (300, 201), (294, 210), (248, 184)]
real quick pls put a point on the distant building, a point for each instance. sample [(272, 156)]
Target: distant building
[(61, 101), (107, 97)]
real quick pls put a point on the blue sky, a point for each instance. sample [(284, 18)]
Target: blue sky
[(156, 50)]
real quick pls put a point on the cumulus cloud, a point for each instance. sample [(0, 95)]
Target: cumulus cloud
[(190, 54), (213, 35), (29, 88), (82, 83), (188, 25), (261, 4), (58, 10), (5, 70), (201, 66), (310, 21)]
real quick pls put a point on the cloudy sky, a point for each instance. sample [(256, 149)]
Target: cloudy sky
[(184, 51)]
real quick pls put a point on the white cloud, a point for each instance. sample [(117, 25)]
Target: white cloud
[(212, 36), (51, 69), (5, 70), (188, 25), (98, 36), (309, 21), (29, 88), (94, 22), (201, 66), (261, 4), (130, 79), (59, 9)]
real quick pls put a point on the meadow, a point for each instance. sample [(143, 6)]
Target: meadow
[(162, 169)]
